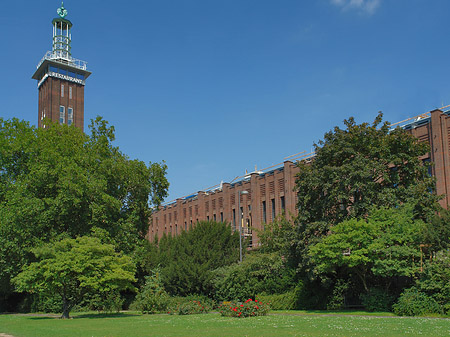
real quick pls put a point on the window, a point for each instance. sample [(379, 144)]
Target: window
[(70, 92), (234, 219), (69, 116), (62, 115), (241, 218), (62, 90), (221, 216), (214, 217), (283, 205), (185, 226), (273, 209), (264, 215), (426, 162), (207, 218)]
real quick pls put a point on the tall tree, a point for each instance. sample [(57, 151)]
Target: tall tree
[(360, 167), (187, 260), (60, 181)]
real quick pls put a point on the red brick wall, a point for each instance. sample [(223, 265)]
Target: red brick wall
[(50, 100), (280, 183)]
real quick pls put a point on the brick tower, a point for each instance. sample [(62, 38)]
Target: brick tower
[(61, 79)]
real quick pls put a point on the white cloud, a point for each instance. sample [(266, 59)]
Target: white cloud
[(364, 6)]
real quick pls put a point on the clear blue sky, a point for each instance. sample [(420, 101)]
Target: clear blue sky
[(216, 87)]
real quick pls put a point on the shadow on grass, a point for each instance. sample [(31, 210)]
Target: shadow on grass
[(86, 315), (106, 315)]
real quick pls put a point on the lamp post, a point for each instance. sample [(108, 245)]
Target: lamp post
[(240, 224)]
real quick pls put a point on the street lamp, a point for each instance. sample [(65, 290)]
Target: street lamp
[(240, 224)]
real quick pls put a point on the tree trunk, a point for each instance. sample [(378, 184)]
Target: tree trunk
[(66, 309), (363, 280)]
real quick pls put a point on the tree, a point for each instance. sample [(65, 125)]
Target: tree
[(385, 245), (59, 180), (188, 259), (73, 268), (360, 167)]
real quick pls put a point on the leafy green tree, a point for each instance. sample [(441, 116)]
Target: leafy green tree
[(385, 245), (59, 180), (360, 167), (73, 268)]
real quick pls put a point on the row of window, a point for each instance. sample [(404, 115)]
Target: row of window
[(62, 115), (234, 222), (62, 91)]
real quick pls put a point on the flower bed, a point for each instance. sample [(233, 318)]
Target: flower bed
[(249, 308)]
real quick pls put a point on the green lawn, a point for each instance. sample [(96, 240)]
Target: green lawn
[(276, 324)]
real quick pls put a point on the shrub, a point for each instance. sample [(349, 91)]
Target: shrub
[(311, 295), (435, 280), (192, 304), (286, 301), (337, 299), (415, 303), (190, 307), (105, 302), (152, 298), (377, 300), (249, 308), (259, 272)]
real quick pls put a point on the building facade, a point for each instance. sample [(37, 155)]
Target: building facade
[(61, 79), (261, 196)]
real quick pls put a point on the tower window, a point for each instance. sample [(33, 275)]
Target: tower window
[(70, 92), (62, 115), (69, 116), (62, 90)]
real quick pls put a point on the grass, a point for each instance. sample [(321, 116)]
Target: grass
[(276, 324)]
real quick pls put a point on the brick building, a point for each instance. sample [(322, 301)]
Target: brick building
[(271, 191), (61, 79)]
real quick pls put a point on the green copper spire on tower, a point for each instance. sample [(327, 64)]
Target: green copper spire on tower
[(62, 12)]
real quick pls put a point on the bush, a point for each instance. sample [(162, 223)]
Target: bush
[(259, 272), (191, 307), (377, 300), (152, 298), (249, 308), (337, 299), (40, 303), (312, 295), (105, 302), (286, 301), (435, 280), (415, 303), (192, 304)]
